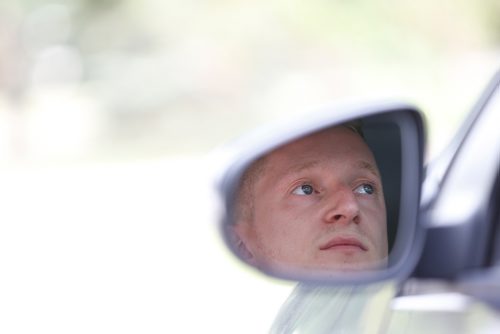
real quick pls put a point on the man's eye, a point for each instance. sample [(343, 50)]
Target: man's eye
[(305, 189), (365, 188)]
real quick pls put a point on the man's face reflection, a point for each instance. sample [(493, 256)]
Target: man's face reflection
[(316, 203)]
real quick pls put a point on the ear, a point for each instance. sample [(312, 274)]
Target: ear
[(240, 237)]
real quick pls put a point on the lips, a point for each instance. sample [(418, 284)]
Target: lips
[(344, 243)]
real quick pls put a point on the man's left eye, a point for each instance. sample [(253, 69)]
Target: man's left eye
[(365, 188)]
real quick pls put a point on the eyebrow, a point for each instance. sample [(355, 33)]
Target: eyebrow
[(368, 166), (365, 165), (300, 167)]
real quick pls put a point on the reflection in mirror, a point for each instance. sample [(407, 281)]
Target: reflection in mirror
[(326, 202), (313, 205)]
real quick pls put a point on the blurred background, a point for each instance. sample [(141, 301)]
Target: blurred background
[(109, 108)]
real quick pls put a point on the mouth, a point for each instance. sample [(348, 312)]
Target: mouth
[(344, 243)]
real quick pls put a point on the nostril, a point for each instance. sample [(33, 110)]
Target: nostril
[(337, 217)]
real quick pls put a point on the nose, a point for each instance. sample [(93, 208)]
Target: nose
[(341, 207)]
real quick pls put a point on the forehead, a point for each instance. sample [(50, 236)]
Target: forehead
[(337, 144)]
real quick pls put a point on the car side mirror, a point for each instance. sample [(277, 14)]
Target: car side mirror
[(329, 197)]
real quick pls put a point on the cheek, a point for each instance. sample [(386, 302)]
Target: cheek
[(376, 222), (279, 225), (374, 209)]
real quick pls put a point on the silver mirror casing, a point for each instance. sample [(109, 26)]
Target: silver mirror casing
[(392, 131)]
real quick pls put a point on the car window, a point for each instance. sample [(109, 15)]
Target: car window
[(343, 309)]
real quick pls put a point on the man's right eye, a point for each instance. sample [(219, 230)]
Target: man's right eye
[(304, 189)]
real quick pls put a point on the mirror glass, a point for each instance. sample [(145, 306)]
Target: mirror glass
[(323, 203)]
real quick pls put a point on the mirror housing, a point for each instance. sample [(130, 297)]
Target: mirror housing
[(394, 133)]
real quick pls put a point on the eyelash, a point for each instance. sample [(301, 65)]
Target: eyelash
[(300, 188), (371, 185)]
